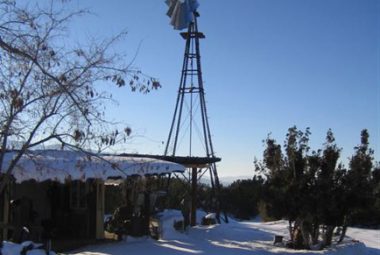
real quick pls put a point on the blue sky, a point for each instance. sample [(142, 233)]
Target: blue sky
[(267, 65)]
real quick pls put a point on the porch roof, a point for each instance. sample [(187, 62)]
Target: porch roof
[(187, 161), (62, 165)]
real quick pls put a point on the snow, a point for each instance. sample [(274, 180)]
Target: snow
[(10, 248), (233, 238), (226, 239), (62, 165), (364, 235), (211, 216)]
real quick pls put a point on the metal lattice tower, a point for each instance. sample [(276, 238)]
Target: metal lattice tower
[(191, 109)]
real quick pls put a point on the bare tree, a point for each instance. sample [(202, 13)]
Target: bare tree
[(48, 90)]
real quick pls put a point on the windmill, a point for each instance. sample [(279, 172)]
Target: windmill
[(190, 134)]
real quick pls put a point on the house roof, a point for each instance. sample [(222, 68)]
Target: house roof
[(62, 165)]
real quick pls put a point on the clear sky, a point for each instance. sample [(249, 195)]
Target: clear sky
[(267, 65)]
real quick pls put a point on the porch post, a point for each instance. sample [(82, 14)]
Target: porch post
[(193, 213), (99, 209), (5, 209)]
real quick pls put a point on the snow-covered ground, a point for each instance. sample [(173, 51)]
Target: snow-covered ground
[(233, 238), (27, 248)]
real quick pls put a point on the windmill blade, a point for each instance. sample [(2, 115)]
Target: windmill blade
[(181, 12)]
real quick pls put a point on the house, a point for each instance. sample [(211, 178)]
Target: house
[(60, 194)]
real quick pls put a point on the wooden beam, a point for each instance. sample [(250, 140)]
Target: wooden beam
[(186, 35), (194, 182), (198, 162), (6, 205), (99, 209)]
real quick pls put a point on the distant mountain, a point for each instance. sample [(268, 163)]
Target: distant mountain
[(226, 180), (16, 145)]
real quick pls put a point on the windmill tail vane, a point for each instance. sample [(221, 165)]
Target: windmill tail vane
[(181, 12)]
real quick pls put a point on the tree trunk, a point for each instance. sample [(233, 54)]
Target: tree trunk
[(344, 229), (343, 233), (306, 230), (327, 238), (315, 233), (298, 238), (291, 234)]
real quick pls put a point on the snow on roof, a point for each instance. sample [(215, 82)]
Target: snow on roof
[(62, 165)]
